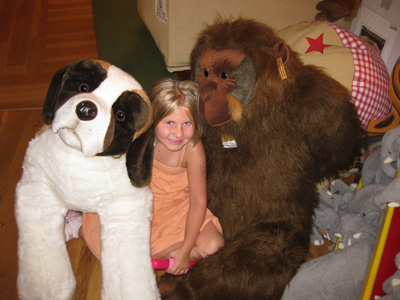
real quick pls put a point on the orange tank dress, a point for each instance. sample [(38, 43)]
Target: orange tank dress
[(170, 188)]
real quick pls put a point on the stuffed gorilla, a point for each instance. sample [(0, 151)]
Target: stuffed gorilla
[(275, 128)]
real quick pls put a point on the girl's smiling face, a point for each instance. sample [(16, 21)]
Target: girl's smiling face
[(175, 130)]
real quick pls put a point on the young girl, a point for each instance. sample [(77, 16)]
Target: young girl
[(182, 227)]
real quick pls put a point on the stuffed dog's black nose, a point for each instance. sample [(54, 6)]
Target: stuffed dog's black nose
[(86, 110)]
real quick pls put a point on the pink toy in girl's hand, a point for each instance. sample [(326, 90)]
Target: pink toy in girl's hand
[(165, 264)]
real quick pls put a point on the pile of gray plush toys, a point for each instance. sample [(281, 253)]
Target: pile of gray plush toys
[(350, 218)]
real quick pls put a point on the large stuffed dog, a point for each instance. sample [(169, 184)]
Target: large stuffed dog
[(96, 157)]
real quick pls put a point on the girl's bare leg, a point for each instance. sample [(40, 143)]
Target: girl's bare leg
[(208, 242)]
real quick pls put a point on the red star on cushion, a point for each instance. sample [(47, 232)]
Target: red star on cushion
[(316, 44)]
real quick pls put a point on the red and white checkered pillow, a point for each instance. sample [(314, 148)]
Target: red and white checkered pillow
[(370, 88)]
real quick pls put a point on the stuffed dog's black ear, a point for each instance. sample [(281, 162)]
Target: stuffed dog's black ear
[(51, 96), (139, 158)]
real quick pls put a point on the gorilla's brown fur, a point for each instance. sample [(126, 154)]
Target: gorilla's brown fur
[(292, 134), (333, 10)]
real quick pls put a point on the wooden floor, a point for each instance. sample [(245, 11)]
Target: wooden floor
[(36, 39)]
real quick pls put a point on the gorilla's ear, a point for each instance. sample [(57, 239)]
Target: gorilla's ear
[(139, 158), (51, 97), (282, 51)]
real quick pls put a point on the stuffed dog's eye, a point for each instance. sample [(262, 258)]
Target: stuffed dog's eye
[(84, 88), (224, 75), (205, 73), (120, 115)]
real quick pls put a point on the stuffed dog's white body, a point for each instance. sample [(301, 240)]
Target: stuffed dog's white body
[(61, 179), (57, 177)]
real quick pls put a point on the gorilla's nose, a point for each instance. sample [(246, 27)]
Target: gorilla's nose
[(86, 110)]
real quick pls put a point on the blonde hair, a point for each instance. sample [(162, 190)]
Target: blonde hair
[(167, 95)]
